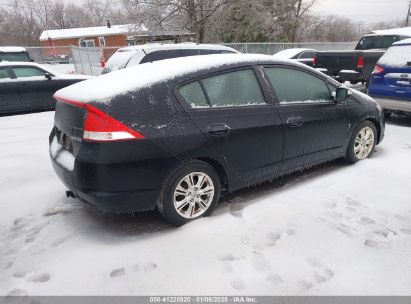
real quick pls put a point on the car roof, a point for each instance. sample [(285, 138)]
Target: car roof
[(402, 31), (12, 49), (27, 64), (151, 47), (105, 88), (403, 42)]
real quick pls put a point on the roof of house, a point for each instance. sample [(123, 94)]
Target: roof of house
[(83, 32)]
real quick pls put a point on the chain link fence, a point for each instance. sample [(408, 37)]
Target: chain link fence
[(272, 48), (87, 60)]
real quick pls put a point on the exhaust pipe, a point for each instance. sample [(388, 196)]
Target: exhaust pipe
[(70, 194)]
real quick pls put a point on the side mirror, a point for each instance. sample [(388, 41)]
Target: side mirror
[(342, 94), (48, 76)]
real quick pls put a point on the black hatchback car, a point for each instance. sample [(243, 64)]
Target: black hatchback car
[(177, 133), (28, 86)]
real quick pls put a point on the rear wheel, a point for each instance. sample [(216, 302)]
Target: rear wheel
[(192, 191), (362, 143)]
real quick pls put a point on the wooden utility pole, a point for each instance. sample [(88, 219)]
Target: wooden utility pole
[(408, 15)]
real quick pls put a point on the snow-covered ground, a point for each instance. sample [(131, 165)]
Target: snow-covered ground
[(332, 230)]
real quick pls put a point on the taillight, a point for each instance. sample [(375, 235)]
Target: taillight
[(360, 62), (378, 70), (315, 60), (101, 127)]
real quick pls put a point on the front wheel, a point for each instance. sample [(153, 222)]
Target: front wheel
[(192, 191), (362, 143)]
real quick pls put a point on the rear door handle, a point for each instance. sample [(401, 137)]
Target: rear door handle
[(219, 129), (295, 121)]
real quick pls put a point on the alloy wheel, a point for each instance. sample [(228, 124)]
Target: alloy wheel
[(193, 195), (364, 143)]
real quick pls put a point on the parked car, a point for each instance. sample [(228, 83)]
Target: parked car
[(133, 55), (14, 53), (391, 80), (30, 87), (356, 66), (191, 129), (305, 56)]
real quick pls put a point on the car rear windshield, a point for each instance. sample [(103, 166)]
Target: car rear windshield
[(377, 42), (397, 56), (14, 57)]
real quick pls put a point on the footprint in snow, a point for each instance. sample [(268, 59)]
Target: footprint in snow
[(17, 293), (119, 272), (274, 279), (60, 241), (237, 284), (321, 273), (41, 277)]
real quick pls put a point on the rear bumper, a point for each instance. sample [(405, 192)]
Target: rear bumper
[(110, 201), (394, 105)]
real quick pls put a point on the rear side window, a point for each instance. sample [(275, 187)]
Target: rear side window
[(240, 88), (194, 95), (4, 74), (161, 55), (294, 86), (23, 72), (307, 55)]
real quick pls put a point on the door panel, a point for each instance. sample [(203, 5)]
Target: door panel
[(9, 97), (315, 127), (238, 122)]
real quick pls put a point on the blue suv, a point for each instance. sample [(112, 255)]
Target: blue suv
[(390, 83)]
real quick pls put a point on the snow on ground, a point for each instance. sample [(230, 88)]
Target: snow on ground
[(332, 230)]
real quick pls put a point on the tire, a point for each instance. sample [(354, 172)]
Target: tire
[(358, 148), (181, 201)]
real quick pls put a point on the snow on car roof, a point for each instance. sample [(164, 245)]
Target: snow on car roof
[(403, 31), (403, 42), (104, 88), (91, 31), (290, 53), (12, 49), (160, 46)]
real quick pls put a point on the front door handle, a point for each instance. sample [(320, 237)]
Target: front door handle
[(295, 121), (219, 129)]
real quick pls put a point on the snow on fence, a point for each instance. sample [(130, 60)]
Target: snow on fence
[(87, 60), (272, 48), (50, 55)]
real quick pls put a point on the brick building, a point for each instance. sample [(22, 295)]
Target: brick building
[(107, 36)]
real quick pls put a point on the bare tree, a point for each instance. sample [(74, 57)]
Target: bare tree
[(193, 15)]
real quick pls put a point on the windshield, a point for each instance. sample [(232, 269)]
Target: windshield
[(377, 42), (14, 57), (118, 61)]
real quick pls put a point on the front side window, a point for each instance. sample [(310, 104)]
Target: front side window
[(194, 95), (4, 74), (24, 72), (294, 86), (240, 88), (161, 55)]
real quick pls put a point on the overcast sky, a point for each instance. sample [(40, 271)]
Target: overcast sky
[(366, 11)]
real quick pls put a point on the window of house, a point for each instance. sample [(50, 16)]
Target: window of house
[(240, 88), (87, 43), (292, 86)]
